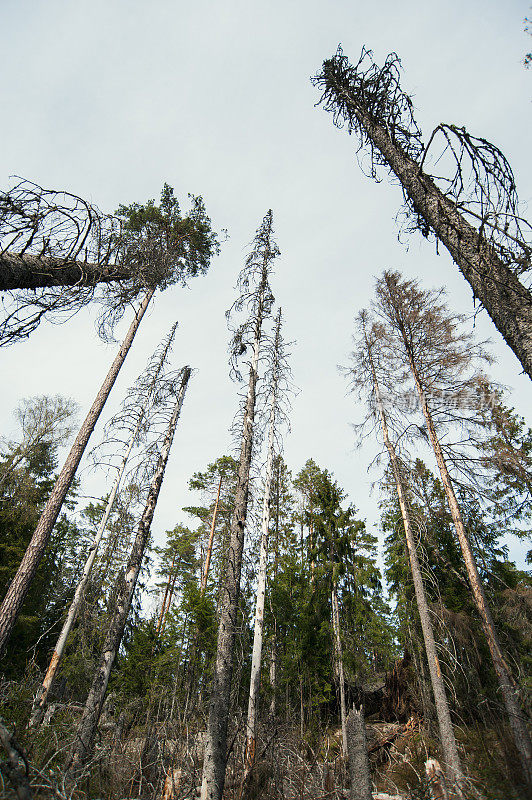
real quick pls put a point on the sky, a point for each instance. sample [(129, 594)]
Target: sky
[(112, 98)]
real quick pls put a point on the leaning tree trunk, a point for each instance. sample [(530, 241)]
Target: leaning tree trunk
[(208, 555), (39, 703), (254, 685), (447, 737), (508, 687), (338, 657), (504, 297), (215, 760), (12, 603), (84, 743), (26, 271)]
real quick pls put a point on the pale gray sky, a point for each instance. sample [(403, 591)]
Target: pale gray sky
[(110, 98)]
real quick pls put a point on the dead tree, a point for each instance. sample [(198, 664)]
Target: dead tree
[(133, 420), (58, 252), (276, 381), (425, 336), (255, 296), (357, 749), (85, 734), (12, 603), (473, 210), (365, 373)]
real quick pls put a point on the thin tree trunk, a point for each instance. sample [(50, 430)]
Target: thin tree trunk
[(208, 556), (339, 665), (84, 743), (358, 757), (39, 703), (508, 687), (215, 760), (165, 597), (12, 603), (505, 298), (254, 685), (26, 271), (448, 740)]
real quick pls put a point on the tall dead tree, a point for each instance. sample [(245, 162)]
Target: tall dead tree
[(256, 298), (133, 420), (18, 589), (58, 252), (86, 731), (365, 373), (473, 210), (438, 355), (276, 382)]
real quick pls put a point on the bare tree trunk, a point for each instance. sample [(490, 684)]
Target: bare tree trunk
[(358, 756), (254, 685), (165, 598), (211, 539), (26, 271), (84, 743), (508, 687), (448, 740), (12, 603), (338, 657), (216, 738), (39, 703), (505, 298)]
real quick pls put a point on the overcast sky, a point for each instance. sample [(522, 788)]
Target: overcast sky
[(111, 98)]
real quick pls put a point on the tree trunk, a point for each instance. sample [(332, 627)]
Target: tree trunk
[(211, 539), (20, 584), (28, 271), (508, 687), (254, 685), (215, 760), (448, 741), (358, 756), (504, 297), (39, 703), (83, 746), (339, 666)]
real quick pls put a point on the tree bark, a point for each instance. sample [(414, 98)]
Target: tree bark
[(508, 687), (254, 685), (358, 756), (39, 703), (504, 297), (28, 271), (447, 737), (84, 743), (12, 603), (339, 665), (211, 539), (215, 760)]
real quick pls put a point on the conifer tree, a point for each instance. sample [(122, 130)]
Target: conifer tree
[(255, 297), (473, 210), (365, 372), (83, 746), (426, 338), (276, 386), (133, 420)]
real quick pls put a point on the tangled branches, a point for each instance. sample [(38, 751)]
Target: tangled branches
[(58, 253), (348, 90)]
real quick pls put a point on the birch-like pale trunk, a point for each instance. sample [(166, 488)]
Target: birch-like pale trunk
[(208, 556), (505, 298), (16, 594), (338, 655), (256, 659), (86, 731), (39, 703), (507, 685), (447, 737), (215, 759)]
